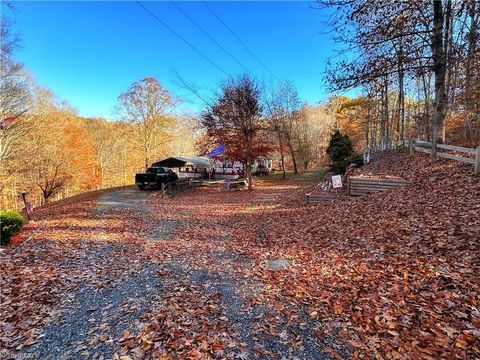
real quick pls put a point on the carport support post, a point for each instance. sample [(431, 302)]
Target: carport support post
[(163, 189)]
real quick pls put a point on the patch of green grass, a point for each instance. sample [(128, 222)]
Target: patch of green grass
[(312, 175), (277, 175)]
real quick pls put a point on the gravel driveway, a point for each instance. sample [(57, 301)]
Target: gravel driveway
[(89, 321)]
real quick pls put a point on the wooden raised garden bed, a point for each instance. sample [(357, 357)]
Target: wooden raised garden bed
[(364, 185), (314, 197)]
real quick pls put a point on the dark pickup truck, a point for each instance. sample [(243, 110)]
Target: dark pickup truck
[(155, 177)]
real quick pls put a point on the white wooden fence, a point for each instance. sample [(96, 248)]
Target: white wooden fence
[(426, 147)]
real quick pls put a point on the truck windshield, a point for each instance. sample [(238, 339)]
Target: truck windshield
[(155, 170)]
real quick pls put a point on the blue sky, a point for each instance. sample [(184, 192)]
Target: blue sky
[(89, 52)]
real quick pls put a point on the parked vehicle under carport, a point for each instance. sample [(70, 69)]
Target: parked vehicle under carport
[(155, 177)]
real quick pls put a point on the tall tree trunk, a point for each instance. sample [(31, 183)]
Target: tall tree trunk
[(426, 94), (248, 174), (401, 101), (447, 50), (145, 152), (367, 127), (384, 122), (282, 158), (471, 85), (374, 135), (248, 170), (402, 113), (292, 153), (439, 69)]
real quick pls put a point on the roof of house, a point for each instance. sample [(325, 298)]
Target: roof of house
[(180, 161)]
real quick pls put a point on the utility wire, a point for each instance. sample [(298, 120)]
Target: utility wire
[(239, 40), (181, 82), (181, 37), (209, 36)]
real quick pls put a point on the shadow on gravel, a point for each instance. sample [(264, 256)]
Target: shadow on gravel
[(285, 339), (88, 326), (89, 323)]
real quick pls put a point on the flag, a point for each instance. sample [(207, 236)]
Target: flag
[(8, 120), (218, 151), (5, 122)]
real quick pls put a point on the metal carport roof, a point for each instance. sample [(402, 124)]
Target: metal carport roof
[(198, 162)]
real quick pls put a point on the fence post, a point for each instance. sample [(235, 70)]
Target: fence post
[(163, 189), (410, 145), (477, 161), (434, 149)]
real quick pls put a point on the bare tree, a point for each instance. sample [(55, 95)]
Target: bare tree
[(440, 21), (14, 94), (14, 100), (184, 132), (417, 49), (282, 105), (314, 127)]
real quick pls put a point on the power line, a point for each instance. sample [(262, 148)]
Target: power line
[(181, 37), (239, 40), (184, 84), (209, 36)]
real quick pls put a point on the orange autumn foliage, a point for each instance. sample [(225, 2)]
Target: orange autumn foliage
[(350, 115), (81, 158)]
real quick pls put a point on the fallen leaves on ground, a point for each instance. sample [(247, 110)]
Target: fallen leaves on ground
[(392, 275)]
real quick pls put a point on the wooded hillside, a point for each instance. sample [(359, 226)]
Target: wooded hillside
[(417, 63)]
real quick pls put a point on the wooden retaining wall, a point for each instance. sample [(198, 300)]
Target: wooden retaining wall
[(362, 185), (317, 197)]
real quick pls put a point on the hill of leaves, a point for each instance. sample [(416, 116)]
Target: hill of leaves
[(391, 275)]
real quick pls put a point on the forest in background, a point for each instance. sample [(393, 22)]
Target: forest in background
[(51, 152), (417, 64)]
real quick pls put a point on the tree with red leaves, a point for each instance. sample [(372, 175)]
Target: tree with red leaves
[(235, 119)]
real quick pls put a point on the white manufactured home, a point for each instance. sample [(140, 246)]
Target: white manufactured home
[(233, 169)]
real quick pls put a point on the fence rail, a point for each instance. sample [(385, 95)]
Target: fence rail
[(427, 148), (180, 185)]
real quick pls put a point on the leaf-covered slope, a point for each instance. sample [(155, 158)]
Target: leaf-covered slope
[(392, 275)]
